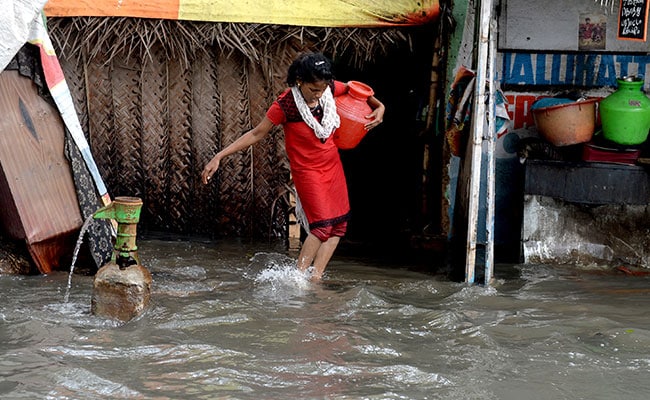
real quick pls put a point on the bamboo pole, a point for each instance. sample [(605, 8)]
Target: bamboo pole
[(491, 168), (429, 129), (478, 125)]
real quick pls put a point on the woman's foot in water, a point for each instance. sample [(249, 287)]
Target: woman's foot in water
[(316, 277)]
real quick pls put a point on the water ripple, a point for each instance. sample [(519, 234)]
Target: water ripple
[(76, 383)]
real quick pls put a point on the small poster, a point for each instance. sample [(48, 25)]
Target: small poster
[(632, 18), (592, 31)]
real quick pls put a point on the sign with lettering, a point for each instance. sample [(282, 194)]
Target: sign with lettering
[(632, 20), (572, 69)]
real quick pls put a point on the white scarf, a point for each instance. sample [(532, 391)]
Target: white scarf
[(330, 120)]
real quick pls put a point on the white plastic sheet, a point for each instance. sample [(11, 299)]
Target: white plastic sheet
[(17, 18)]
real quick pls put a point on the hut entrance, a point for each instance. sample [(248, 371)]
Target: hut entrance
[(395, 199)]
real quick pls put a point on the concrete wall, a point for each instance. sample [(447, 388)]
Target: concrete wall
[(555, 231), (560, 25)]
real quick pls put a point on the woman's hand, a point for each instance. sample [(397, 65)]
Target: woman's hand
[(377, 115), (210, 169)]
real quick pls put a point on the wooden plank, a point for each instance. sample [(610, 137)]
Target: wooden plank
[(39, 202)]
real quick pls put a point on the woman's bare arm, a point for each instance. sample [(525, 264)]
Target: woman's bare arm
[(247, 139)]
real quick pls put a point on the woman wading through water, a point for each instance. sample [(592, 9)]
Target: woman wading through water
[(307, 112)]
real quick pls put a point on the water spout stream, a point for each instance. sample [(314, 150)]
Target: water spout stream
[(80, 240)]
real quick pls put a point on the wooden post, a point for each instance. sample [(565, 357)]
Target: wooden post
[(491, 168), (294, 225), (478, 125), (432, 114)]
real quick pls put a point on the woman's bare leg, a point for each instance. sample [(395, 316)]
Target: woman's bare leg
[(323, 256), (320, 253), (308, 251)]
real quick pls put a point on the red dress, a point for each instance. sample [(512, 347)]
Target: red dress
[(315, 166)]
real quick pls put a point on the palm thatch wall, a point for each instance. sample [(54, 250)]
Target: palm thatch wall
[(157, 99)]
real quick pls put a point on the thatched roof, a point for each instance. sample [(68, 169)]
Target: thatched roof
[(184, 39)]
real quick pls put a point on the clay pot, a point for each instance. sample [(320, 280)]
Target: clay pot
[(352, 108)]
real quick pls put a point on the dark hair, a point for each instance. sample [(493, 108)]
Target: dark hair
[(310, 68)]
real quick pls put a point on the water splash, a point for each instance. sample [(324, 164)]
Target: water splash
[(277, 278), (279, 275), (80, 240)]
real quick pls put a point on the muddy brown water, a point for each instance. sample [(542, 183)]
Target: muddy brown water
[(235, 321)]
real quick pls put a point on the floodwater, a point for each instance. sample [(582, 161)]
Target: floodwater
[(236, 321)]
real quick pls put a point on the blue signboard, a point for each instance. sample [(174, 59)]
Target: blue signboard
[(573, 69)]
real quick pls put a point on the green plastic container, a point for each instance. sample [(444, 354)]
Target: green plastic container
[(625, 114)]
